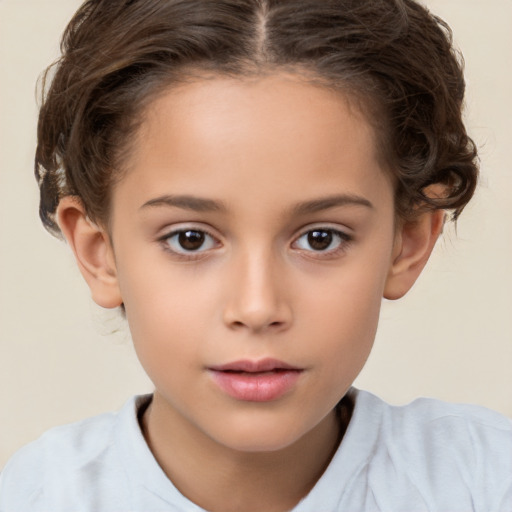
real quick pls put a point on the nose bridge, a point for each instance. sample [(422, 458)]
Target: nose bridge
[(257, 296)]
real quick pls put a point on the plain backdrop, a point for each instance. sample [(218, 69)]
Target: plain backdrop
[(63, 359)]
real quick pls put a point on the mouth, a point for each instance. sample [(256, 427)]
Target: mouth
[(250, 366), (256, 381)]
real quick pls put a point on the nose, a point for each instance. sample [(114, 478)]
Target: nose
[(257, 298)]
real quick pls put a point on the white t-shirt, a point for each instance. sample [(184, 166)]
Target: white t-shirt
[(425, 456)]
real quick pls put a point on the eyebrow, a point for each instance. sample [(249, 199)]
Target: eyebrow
[(199, 204), (325, 203), (185, 202)]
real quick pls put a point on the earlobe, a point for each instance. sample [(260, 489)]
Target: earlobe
[(414, 243), (93, 251)]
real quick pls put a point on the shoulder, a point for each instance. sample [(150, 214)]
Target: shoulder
[(64, 456), (439, 423), (427, 426), (455, 451), (428, 415)]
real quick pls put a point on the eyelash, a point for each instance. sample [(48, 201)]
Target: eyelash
[(343, 240), (185, 254)]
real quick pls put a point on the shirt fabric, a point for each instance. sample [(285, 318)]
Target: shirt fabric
[(425, 456)]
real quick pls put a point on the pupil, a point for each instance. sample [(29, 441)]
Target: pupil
[(320, 240), (191, 240)]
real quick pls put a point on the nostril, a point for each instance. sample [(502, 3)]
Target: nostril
[(237, 324)]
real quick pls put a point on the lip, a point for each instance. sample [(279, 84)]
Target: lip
[(256, 381)]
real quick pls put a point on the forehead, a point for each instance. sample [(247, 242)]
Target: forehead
[(228, 109), (262, 136)]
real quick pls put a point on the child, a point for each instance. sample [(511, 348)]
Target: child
[(246, 180)]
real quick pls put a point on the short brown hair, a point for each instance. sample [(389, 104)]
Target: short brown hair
[(393, 55)]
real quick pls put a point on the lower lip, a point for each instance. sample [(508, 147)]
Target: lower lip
[(256, 387)]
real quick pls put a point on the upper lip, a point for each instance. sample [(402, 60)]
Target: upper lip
[(251, 366)]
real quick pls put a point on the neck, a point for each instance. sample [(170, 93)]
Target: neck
[(218, 478)]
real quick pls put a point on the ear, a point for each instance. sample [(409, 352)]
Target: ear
[(93, 251), (413, 245)]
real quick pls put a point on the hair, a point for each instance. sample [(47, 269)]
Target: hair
[(393, 56)]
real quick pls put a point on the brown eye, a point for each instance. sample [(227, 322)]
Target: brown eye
[(320, 240), (185, 241), (191, 240)]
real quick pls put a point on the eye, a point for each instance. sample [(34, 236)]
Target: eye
[(322, 240), (185, 241)]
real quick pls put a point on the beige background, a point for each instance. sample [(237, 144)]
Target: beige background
[(451, 337)]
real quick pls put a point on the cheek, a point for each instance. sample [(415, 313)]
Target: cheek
[(155, 294), (166, 342), (352, 294), (348, 322), (156, 311), (342, 315), (159, 315)]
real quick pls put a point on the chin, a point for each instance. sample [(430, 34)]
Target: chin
[(259, 437)]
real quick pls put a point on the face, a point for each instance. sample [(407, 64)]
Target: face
[(253, 234)]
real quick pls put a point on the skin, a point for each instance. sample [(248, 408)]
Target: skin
[(273, 158)]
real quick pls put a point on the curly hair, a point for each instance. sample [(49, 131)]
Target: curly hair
[(393, 56)]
